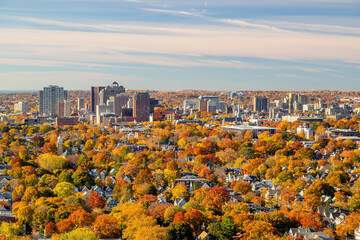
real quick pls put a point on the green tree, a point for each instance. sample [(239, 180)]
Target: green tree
[(180, 231), (224, 230)]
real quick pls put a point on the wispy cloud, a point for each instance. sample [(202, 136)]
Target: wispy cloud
[(295, 26), (176, 12), (224, 42), (68, 79), (248, 24)]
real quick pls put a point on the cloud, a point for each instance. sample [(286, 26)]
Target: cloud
[(206, 41), (176, 12), (295, 26), (248, 24), (67, 79)]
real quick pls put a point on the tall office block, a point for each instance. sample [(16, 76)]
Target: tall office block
[(110, 91), (260, 104), (81, 103), (211, 106), (49, 100), (303, 99), (95, 97), (64, 108), (141, 106), (203, 105), (120, 101)]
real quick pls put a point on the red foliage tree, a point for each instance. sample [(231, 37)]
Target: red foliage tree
[(96, 201), (50, 229)]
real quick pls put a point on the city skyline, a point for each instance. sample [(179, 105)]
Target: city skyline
[(161, 45)]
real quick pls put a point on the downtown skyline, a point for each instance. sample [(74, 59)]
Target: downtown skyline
[(162, 45)]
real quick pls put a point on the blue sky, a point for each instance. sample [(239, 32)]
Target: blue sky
[(174, 45)]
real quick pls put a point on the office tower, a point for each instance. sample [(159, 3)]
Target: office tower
[(211, 98), (110, 91), (67, 108), (81, 104), (211, 106), (22, 107), (64, 109), (141, 106), (49, 100), (292, 98), (260, 104), (120, 101), (303, 99), (203, 105), (61, 108), (95, 97)]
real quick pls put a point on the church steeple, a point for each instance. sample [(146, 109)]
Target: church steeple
[(60, 144)]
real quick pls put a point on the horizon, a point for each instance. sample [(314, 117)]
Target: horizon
[(286, 45), (200, 90)]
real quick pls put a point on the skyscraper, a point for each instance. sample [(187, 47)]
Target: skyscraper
[(260, 104), (110, 91), (49, 100), (64, 108), (95, 97), (120, 101), (81, 103), (141, 106)]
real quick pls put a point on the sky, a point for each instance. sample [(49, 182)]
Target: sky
[(222, 45)]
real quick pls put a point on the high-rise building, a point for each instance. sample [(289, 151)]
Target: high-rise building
[(303, 99), (211, 106), (260, 104), (49, 100), (141, 106), (64, 108), (203, 105), (81, 103), (95, 97), (120, 101), (110, 91), (296, 101), (211, 98), (22, 107)]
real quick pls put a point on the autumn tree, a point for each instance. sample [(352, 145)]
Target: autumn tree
[(96, 201), (51, 162), (80, 233), (11, 230), (81, 218), (50, 147), (348, 226), (106, 226), (64, 189), (242, 187)]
